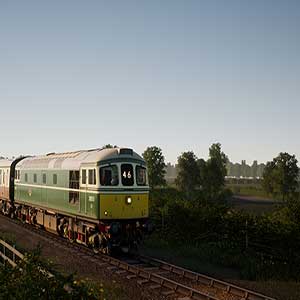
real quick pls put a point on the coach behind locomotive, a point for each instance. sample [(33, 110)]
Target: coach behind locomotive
[(96, 197)]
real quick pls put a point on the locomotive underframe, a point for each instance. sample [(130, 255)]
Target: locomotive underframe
[(103, 236)]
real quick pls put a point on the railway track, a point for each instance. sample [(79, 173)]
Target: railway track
[(164, 279)]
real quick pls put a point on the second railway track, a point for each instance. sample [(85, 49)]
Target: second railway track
[(164, 279)]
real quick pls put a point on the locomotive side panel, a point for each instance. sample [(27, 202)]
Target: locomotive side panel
[(89, 204), (27, 189), (50, 189)]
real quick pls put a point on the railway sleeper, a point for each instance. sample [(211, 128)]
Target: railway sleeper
[(155, 286), (167, 292), (120, 272), (142, 281)]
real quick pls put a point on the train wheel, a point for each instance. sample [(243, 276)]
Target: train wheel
[(108, 249), (71, 236)]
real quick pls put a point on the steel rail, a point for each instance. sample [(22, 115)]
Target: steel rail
[(206, 280)]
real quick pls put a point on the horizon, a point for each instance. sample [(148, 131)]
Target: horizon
[(181, 76), (166, 161)]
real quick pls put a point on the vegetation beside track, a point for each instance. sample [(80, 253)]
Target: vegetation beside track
[(29, 281), (259, 246), (214, 237), (199, 213), (196, 259)]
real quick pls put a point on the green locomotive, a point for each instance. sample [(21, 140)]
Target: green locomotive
[(96, 197)]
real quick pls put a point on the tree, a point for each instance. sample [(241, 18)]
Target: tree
[(109, 146), (280, 176), (202, 171), (213, 172), (187, 172), (156, 166)]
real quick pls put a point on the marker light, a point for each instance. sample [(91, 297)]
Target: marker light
[(128, 200), (105, 213)]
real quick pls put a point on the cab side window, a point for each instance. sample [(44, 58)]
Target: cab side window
[(92, 176), (54, 178), (83, 177)]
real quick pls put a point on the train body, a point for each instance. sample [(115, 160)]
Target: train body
[(95, 197)]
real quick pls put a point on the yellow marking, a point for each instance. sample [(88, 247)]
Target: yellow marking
[(117, 208)]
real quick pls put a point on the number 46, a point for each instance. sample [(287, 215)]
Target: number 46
[(127, 175)]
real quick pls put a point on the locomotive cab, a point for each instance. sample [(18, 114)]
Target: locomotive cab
[(123, 189)]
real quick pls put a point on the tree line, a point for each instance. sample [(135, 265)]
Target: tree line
[(193, 174), (280, 176), (195, 213)]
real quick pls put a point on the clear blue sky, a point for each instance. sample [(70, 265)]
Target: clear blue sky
[(177, 74)]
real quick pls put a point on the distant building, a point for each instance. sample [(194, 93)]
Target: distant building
[(234, 170), (243, 170), (171, 173)]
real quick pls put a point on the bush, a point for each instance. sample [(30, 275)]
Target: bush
[(261, 246), (27, 281)]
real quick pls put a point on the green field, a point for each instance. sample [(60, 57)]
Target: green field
[(248, 189)]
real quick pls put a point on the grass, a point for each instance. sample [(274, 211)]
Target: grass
[(200, 261), (254, 190), (255, 207), (185, 256), (111, 291), (280, 290), (256, 200), (8, 237)]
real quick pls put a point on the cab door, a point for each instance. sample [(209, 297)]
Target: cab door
[(91, 196), (83, 190)]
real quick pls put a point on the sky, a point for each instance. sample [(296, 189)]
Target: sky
[(180, 75)]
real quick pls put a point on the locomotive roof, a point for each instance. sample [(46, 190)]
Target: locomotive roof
[(5, 163), (73, 160)]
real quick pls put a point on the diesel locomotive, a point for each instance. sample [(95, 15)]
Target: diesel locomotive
[(95, 197)]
